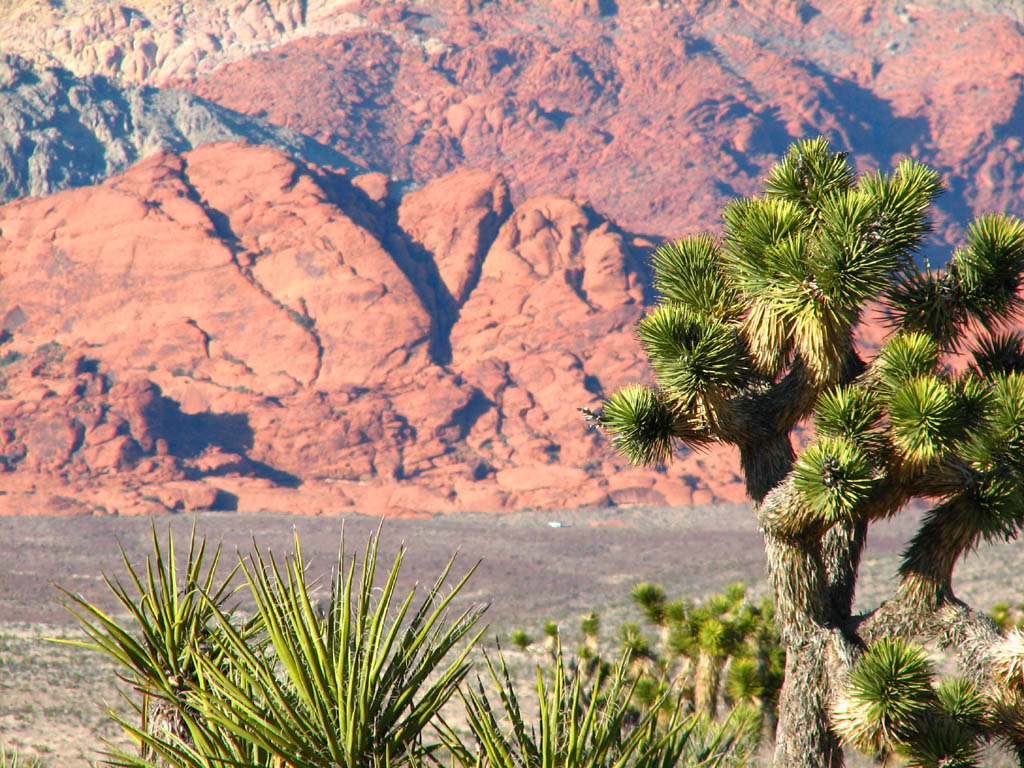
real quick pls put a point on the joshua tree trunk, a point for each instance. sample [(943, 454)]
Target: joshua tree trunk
[(705, 684), (163, 721), (806, 596)]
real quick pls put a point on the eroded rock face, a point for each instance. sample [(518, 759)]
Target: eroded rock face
[(661, 112), (237, 318)]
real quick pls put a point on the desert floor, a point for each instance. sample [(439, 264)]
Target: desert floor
[(535, 566)]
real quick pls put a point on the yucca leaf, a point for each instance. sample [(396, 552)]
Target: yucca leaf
[(924, 420), (850, 412), (585, 722), (754, 226), (169, 625), (851, 264), (889, 688), (808, 172), (713, 637), (999, 353), (906, 356), (590, 625), (743, 683), (1002, 443), (1008, 658), (344, 688), (996, 501), (989, 269), (634, 642), (767, 333), (902, 200), (942, 743), (926, 302), (651, 598), (818, 323), (960, 700), (693, 358)]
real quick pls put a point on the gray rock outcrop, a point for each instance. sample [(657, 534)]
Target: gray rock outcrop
[(58, 130)]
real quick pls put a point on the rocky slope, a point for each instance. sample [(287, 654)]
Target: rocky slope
[(220, 326), (58, 130), (186, 336), (657, 112)]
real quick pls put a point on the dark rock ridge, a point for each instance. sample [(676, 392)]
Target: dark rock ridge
[(59, 131)]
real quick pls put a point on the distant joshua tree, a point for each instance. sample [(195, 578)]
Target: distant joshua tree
[(754, 332)]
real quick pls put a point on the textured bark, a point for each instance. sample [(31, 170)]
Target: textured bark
[(804, 737), (162, 720), (705, 684), (813, 578), (841, 550)]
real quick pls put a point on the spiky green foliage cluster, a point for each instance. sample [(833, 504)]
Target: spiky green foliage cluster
[(178, 630), (723, 648), (640, 423), (894, 703), (359, 680), (835, 477), (754, 330), (722, 654)]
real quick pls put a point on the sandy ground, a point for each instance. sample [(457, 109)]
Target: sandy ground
[(533, 567)]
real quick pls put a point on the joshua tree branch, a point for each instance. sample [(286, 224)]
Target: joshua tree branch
[(954, 626)]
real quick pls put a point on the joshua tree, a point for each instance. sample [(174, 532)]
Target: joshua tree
[(711, 634), (724, 633), (754, 333)]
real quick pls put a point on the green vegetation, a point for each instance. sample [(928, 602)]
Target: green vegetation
[(588, 719), (755, 333), (697, 647), (363, 678)]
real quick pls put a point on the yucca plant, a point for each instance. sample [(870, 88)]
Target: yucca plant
[(755, 333), (520, 639), (722, 634), (723, 637), (589, 722), (356, 685), (173, 619)]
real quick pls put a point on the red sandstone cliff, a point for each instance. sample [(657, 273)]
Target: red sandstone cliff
[(231, 322)]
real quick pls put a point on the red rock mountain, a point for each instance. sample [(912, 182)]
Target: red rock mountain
[(211, 328), (234, 328)]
